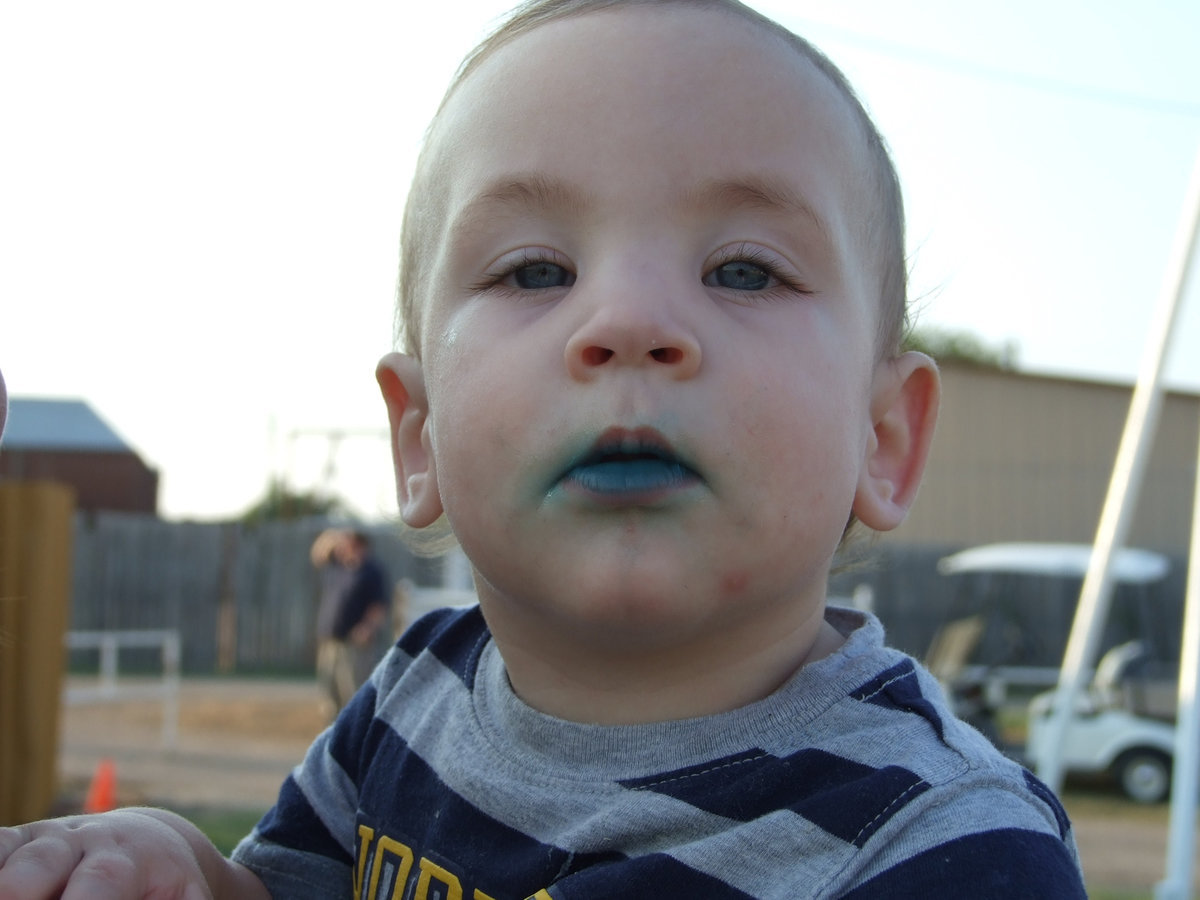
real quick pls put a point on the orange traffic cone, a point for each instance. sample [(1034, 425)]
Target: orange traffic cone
[(102, 792)]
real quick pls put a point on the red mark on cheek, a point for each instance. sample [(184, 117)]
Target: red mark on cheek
[(735, 582)]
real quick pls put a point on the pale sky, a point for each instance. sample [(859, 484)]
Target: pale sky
[(200, 202)]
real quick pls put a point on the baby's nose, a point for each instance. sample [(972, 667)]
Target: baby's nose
[(610, 339)]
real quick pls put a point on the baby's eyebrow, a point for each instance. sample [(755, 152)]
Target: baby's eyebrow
[(754, 192), (518, 193), (538, 193)]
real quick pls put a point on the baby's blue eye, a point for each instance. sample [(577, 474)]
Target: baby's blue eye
[(536, 276), (739, 275)]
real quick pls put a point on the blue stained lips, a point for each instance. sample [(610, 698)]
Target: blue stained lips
[(630, 467), (634, 475)]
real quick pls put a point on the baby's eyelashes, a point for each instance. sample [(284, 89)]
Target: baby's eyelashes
[(750, 269), (530, 269), (740, 269)]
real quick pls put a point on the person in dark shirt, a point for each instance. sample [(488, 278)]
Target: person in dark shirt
[(354, 603)]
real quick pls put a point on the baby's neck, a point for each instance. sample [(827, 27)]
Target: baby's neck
[(602, 686)]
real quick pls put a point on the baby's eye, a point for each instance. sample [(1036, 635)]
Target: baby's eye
[(739, 275), (539, 275), (526, 273), (749, 269)]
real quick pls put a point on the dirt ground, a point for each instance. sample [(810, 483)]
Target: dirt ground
[(238, 739)]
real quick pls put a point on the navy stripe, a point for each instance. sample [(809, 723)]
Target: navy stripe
[(345, 739), (293, 823), (455, 636), (1043, 793), (651, 877), (848, 799), (992, 865), (418, 635), (459, 643), (856, 810), (694, 783), (899, 688)]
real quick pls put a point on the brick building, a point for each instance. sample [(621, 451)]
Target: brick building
[(67, 442)]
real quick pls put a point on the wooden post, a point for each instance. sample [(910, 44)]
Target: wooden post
[(35, 590)]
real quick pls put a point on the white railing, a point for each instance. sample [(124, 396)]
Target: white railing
[(109, 688)]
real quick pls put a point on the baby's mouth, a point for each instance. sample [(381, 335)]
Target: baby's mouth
[(630, 466)]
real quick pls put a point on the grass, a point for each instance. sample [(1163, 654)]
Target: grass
[(224, 827)]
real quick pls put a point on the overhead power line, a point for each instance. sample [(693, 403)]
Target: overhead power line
[(949, 63)]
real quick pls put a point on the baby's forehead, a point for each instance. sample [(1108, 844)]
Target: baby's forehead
[(665, 25), (659, 98)]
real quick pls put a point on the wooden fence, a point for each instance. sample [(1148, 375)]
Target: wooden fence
[(243, 597)]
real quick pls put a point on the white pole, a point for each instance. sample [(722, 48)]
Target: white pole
[(108, 663), (1128, 471), (1182, 835), (172, 652)]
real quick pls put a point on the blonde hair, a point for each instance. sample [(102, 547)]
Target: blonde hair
[(884, 226)]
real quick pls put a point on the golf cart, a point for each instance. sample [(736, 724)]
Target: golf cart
[(1111, 732), (1122, 722)]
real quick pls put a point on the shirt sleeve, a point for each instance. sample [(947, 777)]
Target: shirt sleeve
[(303, 847), (987, 865), (977, 837)]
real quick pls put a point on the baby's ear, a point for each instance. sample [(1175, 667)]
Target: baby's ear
[(403, 386), (904, 405)]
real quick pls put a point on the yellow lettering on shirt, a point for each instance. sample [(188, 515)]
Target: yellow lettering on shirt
[(365, 833), (431, 871), (387, 848), (384, 870)]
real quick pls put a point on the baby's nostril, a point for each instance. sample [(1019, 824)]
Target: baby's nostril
[(596, 356), (666, 354)]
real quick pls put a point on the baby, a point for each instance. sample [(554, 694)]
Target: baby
[(653, 296)]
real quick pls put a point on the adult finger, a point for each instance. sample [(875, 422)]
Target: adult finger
[(34, 863)]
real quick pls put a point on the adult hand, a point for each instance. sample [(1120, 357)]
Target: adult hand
[(127, 854), (362, 633)]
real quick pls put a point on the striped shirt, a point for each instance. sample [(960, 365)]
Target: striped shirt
[(852, 780)]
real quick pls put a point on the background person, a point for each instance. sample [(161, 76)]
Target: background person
[(354, 606)]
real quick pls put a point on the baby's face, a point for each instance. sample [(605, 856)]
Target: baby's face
[(648, 345)]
